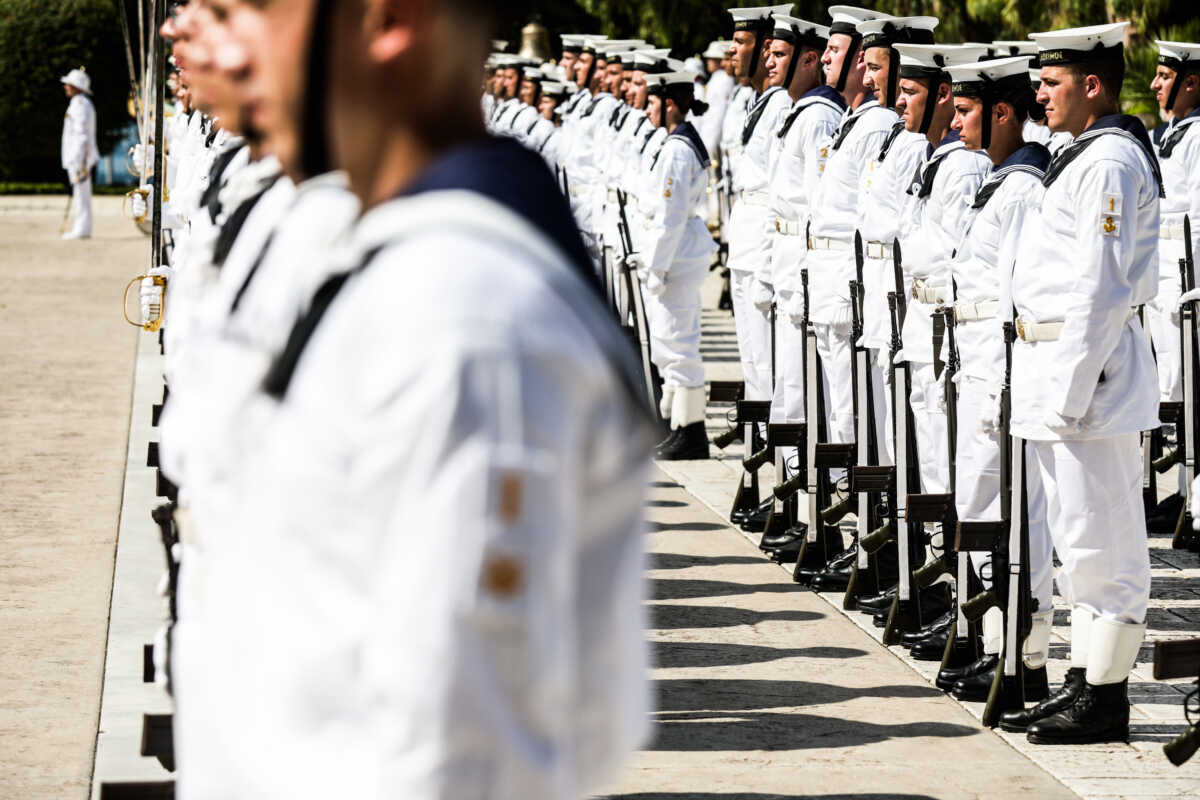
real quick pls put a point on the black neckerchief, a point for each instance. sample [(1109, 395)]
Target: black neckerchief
[(849, 122), (233, 225), (641, 122), (892, 136), (822, 94), (595, 103), (211, 199), (1032, 158), (922, 181), (646, 141), (262, 255), (488, 169), (1123, 125), (687, 132), (1174, 134), (756, 113)]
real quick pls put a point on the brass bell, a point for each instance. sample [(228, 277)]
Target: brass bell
[(535, 42)]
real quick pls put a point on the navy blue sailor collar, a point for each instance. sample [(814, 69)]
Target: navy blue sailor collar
[(1124, 125), (1032, 157), (688, 133), (1172, 133), (823, 94)]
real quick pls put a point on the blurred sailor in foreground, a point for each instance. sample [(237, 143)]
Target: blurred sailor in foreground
[(1084, 382), (79, 153), (435, 588)]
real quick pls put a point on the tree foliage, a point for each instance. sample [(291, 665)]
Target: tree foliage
[(40, 41), (688, 25)]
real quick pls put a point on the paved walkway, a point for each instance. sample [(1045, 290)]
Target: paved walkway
[(64, 410)]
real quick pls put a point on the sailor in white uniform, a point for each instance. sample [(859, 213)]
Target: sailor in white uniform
[(882, 202), (1084, 380), (679, 251), (749, 247), (717, 92), (79, 153), (942, 192), (830, 259), (991, 100)]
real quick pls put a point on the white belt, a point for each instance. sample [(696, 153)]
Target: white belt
[(788, 228), (826, 243), (968, 312), (753, 198), (1171, 230), (1030, 331), (931, 295), (612, 195), (877, 250)]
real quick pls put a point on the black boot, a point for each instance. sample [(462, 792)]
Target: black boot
[(932, 647), (948, 677), (784, 540), (935, 601), (909, 638), (1019, 721), (836, 577), (685, 444), (1164, 516), (806, 576), (877, 602), (977, 687), (756, 521), (1099, 714)]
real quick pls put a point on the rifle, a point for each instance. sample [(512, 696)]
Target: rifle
[(640, 330), (1189, 428), (928, 574), (905, 613), (864, 575)]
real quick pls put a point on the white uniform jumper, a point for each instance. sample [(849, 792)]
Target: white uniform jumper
[(479, 629), (830, 260), (943, 191), (1084, 383), (798, 157)]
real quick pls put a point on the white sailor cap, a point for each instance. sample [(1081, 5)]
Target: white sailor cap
[(757, 20), (659, 84), (718, 49), (1035, 77), (845, 19), (533, 74), (1006, 48), (1095, 43), (651, 61), (1175, 54), (918, 61), (507, 61), (796, 31), (554, 89), (622, 52), (982, 78), (890, 31), (573, 42), (694, 66), (499, 45)]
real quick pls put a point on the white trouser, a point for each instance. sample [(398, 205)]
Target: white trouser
[(835, 349), (787, 403), (1162, 321), (1097, 521), (882, 398), (753, 337), (674, 321), (81, 199), (933, 445)]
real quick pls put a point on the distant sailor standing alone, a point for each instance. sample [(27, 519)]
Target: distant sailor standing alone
[(79, 153)]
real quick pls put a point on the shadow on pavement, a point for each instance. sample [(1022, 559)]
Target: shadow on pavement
[(711, 697), (676, 561), (682, 617), (655, 527), (721, 654), (760, 796), (680, 588)]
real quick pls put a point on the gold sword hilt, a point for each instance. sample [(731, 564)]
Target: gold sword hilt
[(156, 311)]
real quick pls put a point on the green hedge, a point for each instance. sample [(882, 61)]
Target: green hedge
[(18, 187)]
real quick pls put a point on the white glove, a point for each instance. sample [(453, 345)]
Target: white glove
[(151, 294), (762, 295), (1063, 425), (795, 309), (634, 261), (939, 392), (989, 413), (1188, 297), (654, 283), (1196, 504), (140, 205), (137, 157)]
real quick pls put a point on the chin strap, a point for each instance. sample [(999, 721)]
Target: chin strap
[(893, 82), (314, 146), (1180, 75), (848, 61)]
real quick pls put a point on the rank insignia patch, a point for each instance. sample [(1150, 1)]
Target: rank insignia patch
[(1110, 225)]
